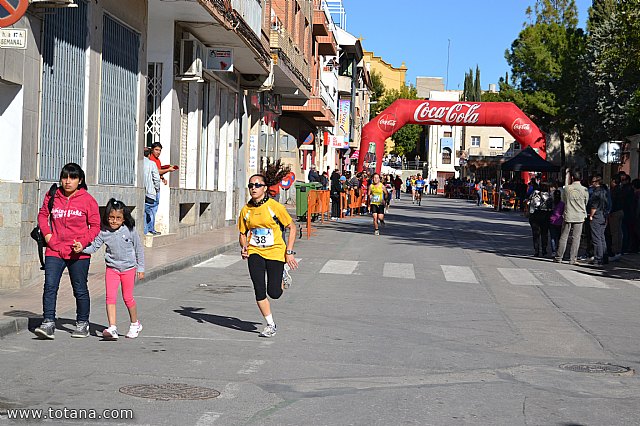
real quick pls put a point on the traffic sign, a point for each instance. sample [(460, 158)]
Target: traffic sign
[(11, 11)]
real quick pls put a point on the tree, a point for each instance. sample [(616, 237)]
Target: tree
[(545, 66), (472, 90), (611, 84), (406, 139), (377, 92)]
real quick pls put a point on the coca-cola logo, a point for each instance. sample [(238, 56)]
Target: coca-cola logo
[(521, 128), (387, 122), (460, 113)]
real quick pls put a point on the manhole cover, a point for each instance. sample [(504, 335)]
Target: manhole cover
[(598, 368), (169, 391)]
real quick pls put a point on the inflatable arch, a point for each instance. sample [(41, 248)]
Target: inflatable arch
[(425, 112)]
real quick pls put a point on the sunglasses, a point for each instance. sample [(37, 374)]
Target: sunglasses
[(256, 185)]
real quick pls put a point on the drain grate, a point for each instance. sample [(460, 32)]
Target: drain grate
[(170, 391), (598, 367)]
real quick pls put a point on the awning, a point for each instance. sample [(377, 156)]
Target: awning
[(355, 155)]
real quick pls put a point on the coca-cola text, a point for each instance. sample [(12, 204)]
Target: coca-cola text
[(460, 113)]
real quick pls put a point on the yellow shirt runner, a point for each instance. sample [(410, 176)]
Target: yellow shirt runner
[(264, 233)]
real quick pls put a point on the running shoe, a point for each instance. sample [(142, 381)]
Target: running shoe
[(286, 277), (82, 329), (110, 333), (269, 331), (134, 330), (376, 232), (46, 330)]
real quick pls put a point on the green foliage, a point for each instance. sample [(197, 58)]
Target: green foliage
[(378, 90), (472, 90), (407, 138)]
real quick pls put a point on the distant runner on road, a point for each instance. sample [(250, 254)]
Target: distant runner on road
[(420, 183)]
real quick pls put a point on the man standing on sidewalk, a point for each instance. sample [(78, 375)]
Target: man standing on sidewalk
[(575, 197), (598, 208)]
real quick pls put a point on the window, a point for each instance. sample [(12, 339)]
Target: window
[(446, 156), (496, 142), (154, 99), (475, 140)]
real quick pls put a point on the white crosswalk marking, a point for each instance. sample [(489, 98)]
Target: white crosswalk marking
[(342, 267), (459, 274), (581, 280), (399, 270), (220, 261), (519, 276)]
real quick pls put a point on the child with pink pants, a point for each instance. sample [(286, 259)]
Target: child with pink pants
[(124, 257)]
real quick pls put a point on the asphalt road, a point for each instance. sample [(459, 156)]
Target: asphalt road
[(444, 319)]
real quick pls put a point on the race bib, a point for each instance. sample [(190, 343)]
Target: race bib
[(262, 237), (375, 199)]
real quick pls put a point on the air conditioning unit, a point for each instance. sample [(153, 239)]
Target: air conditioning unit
[(53, 3), (192, 56)]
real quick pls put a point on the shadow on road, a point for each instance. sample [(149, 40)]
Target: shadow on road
[(228, 322)]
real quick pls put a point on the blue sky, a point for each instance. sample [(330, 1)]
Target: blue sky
[(417, 32)]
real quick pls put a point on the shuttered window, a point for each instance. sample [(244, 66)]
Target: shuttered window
[(118, 103), (64, 47)]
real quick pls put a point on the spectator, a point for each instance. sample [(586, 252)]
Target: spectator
[(336, 189), (397, 184), (151, 191), (627, 209), (540, 207), (324, 180), (597, 210), (555, 222), (156, 149), (314, 176), (615, 218), (575, 198)]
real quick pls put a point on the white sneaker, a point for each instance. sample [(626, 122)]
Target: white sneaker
[(286, 277), (110, 333), (134, 330), (269, 331)]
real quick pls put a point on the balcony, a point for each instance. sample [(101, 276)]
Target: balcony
[(286, 54), (318, 109), (327, 45), (320, 23), (251, 12)]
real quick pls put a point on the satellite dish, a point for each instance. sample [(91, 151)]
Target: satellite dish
[(609, 152)]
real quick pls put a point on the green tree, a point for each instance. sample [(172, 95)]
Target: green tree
[(472, 90), (477, 88), (406, 139), (545, 66), (610, 103), (377, 92)]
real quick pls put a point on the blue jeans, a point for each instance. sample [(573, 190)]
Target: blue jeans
[(78, 273), (150, 211)]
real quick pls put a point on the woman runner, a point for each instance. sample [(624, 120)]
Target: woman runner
[(260, 224), (377, 194)]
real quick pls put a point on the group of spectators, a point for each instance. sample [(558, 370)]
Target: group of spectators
[(344, 182), (606, 218)]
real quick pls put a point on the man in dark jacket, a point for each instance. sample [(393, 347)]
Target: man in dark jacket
[(597, 210), (314, 176)]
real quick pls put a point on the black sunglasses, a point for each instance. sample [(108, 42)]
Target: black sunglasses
[(256, 185)]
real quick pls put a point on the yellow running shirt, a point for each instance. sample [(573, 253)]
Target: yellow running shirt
[(263, 233), (377, 194)]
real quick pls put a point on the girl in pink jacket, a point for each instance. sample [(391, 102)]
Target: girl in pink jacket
[(74, 218)]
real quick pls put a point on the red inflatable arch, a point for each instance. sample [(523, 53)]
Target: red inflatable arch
[(425, 112)]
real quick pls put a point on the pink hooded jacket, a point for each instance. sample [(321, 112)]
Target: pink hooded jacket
[(72, 218)]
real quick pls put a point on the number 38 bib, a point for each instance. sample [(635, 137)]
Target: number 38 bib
[(262, 237)]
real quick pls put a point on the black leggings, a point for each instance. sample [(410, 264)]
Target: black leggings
[(258, 265)]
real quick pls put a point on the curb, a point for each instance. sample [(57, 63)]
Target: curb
[(16, 325)]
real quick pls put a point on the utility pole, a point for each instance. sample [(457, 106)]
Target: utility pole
[(446, 86)]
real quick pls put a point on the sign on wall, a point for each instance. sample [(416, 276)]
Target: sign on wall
[(253, 153), (220, 59), (344, 114), (11, 38)]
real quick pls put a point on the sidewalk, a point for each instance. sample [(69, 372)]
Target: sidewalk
[(22, 309)]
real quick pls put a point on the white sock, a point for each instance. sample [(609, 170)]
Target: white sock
[(269, 319)]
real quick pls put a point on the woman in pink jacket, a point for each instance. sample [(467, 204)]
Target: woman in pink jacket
[(74, 218)]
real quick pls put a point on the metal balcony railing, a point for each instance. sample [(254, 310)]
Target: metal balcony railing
[(251, 12), (320, 90), (280, 39)]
